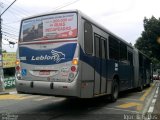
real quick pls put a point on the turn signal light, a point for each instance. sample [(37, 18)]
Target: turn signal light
[(75, 62), (17, 62)]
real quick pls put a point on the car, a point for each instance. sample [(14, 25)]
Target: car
[(156, 77)]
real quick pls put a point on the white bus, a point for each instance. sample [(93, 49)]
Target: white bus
[(68, 54)]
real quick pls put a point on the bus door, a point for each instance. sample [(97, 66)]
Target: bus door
[(103, 56), (100, 65)]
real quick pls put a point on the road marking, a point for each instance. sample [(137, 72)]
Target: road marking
[(130, 99), (153, 101), (121, 110), (157, 90), (131, 104), (14, 92), (146, 93), (151, 108), (14, 97), (40, 99), (26, 97), (155, 96)]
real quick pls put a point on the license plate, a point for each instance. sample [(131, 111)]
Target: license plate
[(44, 72)]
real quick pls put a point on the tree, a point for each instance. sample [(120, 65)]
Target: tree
[(4, 51), (149, 41)]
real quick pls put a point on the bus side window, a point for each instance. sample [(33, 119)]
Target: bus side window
[(123, 52), (130, 58), (113, 48), (97, 46), (88, 38), (103, 49)]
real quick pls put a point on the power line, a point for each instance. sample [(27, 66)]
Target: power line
[(65, 5), (9, 29), (8, 25), (10, 34), (56, 8)]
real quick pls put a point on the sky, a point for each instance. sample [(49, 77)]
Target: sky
[(122, 17)]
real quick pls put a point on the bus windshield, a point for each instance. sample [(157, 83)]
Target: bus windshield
[(49, 27)]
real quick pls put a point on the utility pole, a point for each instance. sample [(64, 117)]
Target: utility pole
[(1, 63)]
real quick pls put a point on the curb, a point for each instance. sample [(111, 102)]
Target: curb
[(4, 93), (7, 93)]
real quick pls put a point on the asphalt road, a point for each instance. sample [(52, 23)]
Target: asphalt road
[(131, 105)]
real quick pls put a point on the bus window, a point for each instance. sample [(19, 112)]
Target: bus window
[(103, 49), (123, 52), (88, 39), (113, 49), (130, 58), (140, 60), (97, 44)]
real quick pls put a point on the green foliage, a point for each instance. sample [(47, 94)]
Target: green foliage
[(4, 51), (147, 43)]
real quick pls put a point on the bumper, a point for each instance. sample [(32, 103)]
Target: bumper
[(48, 88)]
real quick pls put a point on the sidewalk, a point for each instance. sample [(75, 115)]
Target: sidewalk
[(8, 91)]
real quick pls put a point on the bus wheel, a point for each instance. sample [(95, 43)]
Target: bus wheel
[(115, 91), (140, 88), (149, 85)]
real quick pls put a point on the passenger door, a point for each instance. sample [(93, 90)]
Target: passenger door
[(97, 63), (103, 57), (100, 65)]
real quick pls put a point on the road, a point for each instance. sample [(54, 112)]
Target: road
[(131, 105)]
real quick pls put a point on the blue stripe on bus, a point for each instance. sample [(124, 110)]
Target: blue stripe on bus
[(94, 62), (57, 55)]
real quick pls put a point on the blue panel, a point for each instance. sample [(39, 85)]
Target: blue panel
[(57, 55), (24, 72)]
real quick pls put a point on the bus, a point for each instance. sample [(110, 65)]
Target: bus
[(68, 54)]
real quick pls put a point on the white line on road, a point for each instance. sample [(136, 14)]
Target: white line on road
[(157, 90), (153, 101), (14, 92), (40, 99), (151, 108), (121, 110)]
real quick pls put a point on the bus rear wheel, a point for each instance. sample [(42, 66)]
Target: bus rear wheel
[(115, 91), (140, 89)]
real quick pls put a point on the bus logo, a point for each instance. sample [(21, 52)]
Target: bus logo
[(55, 56), (58, 56)]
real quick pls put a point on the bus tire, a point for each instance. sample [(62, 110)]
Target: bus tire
[(140, 89), (149, 85), (114, 92)]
